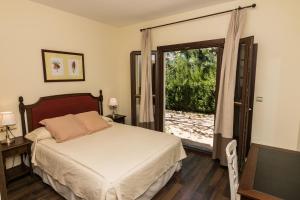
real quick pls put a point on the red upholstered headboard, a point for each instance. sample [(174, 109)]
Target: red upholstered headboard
[(58, 105)]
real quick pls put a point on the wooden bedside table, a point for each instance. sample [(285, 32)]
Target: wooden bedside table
[(118, 118), (22, 147)]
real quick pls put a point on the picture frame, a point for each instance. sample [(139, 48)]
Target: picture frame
[(61, 66)]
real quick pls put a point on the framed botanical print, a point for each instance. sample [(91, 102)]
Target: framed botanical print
[(62, 66)]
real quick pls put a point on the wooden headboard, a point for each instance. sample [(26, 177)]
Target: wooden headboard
[(57, 105)]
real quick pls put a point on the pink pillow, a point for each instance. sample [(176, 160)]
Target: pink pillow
[(64, 128), (92, 121)]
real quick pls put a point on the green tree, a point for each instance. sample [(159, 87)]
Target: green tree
[(191, 80)]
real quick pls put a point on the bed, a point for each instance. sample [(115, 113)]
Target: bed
[(119, 163)]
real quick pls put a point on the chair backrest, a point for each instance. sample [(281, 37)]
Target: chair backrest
[(232, 168)]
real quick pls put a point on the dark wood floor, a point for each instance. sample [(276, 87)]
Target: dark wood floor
[(200, 178)]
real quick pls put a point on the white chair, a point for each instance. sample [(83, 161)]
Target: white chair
[(233, 169)]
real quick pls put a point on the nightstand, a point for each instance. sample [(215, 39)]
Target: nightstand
[(22, 147), (118, 118)]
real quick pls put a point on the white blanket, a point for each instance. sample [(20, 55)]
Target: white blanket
[(117, 163)]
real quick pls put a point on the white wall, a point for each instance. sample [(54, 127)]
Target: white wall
[(28, 27), (275, 25)]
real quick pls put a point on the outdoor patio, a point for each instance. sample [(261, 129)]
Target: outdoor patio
[(195, 129)]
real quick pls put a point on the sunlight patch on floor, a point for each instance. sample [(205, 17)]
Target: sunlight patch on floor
[(195, 129)]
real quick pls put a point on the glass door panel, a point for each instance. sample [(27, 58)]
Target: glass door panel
[(136, 64), (240, 74)]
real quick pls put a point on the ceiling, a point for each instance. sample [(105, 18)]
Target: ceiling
[(126, 12)]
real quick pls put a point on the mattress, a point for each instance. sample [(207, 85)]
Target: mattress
[(118, 163)]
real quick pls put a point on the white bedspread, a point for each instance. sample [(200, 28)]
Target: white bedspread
[(120, 162)]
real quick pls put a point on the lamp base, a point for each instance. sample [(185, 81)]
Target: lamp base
[(114, 113), (8, 141)]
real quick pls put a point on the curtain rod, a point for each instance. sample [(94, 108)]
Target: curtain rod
[(191, 19)]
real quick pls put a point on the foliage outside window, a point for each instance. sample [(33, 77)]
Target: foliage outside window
[(191, 80)]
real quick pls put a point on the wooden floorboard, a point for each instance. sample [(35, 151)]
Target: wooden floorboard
[(201, 178)]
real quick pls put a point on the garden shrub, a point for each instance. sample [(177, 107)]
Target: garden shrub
[(191, 80)]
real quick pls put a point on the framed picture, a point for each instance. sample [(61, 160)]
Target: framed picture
[(60, 66)]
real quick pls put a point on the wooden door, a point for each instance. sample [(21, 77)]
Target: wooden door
[(244, 95)]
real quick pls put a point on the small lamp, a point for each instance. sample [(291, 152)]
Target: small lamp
[(113, 103), (7, 119)]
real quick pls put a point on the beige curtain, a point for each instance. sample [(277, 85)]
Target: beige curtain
[(225, 106), (146, 105)]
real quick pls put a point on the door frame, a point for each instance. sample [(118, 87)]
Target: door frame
[(159, 77), (252, 89), (245, 130)]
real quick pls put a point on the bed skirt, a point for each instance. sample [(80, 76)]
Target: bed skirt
[(67, 193)]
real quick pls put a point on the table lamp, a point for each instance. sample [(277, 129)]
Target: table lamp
[(113, 103), (7, 119)]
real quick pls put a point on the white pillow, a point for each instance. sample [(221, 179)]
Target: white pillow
[(107, 119), (38, 134)]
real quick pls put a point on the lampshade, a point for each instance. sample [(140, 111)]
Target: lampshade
[(7, 119), (113, 102)]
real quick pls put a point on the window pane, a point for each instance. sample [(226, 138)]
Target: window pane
[(137, 103), (138, 75), (237, 119), (137, 108), (138, 65), (240, 74)]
